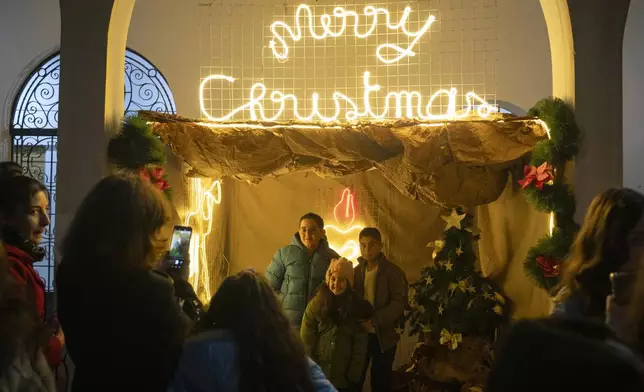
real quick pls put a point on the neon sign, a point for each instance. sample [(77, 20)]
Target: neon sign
[(261, 105), (399, 104), (341, 16), (204, 199), (339, 233)]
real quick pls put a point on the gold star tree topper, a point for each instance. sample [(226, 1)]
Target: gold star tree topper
[(453, 220)]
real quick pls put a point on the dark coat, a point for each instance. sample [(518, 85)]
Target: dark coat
[(338, 346), (124, 331), (391, 300)]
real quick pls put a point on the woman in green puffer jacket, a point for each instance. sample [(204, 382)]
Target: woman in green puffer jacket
[(331, 329)]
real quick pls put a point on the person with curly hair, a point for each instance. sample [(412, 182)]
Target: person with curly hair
[(611, 240)]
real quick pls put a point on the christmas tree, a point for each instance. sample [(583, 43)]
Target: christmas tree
[(456, 311)]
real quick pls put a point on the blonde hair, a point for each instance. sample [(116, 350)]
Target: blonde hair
[(123, 223), (601, 246)]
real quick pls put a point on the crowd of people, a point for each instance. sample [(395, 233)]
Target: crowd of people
[(304, 326), (313, 322)]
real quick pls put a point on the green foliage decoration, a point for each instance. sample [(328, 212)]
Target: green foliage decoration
[(549, 159)]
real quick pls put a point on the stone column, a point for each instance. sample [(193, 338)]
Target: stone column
[(92, 58), (598, 31), (586, 47)]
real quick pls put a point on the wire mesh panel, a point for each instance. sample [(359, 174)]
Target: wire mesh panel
[(278, 56)]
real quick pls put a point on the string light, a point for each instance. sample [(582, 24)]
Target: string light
[(345, 211), (204, 199), (343, 16), (551, 218), (406, 104), (260, 126)]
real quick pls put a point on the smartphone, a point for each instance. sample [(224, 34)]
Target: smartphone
[(622, 286), (179, 247)]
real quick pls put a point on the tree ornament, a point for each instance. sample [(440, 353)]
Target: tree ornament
[(453, 220), (550, 266), (449, 265), (538, 176), (450, 339)]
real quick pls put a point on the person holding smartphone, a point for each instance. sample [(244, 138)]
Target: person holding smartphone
[(123, 323), (611, 240), (177, 266)]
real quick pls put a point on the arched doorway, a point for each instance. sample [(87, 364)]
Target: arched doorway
[(34, 126)]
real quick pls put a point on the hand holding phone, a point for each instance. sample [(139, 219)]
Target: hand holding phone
[(178, 256)]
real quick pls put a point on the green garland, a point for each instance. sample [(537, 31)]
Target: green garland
[(137, 149), (135, 146), (543, 263)]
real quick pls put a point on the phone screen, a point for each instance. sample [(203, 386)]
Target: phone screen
[(180, 244)]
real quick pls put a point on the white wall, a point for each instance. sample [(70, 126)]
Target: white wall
[(633, 93), (29, 32), (167, 33), (164, 31), (524, 73)]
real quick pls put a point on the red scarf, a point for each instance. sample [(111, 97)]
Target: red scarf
[(21, 265), (22, 269)]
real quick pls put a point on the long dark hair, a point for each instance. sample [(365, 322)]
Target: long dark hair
[(271, 356), (122, 224), (21, 329), (602, 245)]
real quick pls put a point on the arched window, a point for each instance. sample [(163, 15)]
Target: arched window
[(34, 126)]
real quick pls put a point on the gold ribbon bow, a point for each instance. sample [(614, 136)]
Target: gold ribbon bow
[(451, 340)]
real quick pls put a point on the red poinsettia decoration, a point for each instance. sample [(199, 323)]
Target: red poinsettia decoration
[(550, 266), (156, 175), (537, 175)]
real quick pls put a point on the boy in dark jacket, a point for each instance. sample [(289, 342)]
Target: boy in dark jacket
[(385, 286), (298, 269)]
